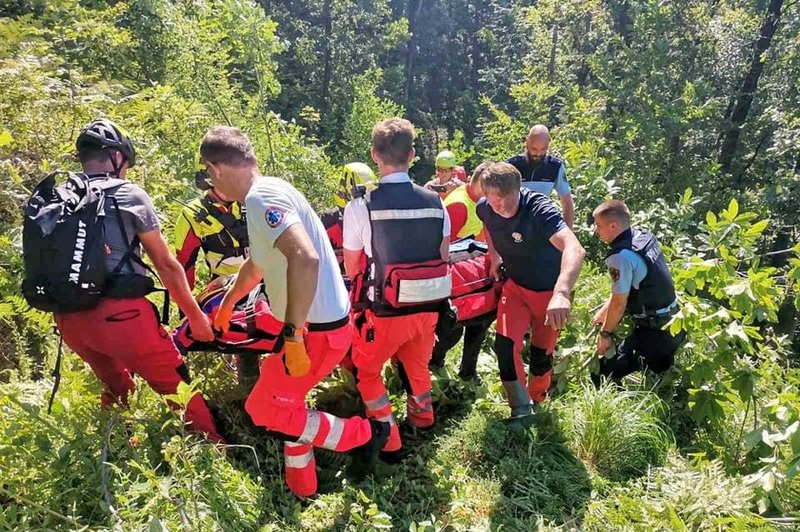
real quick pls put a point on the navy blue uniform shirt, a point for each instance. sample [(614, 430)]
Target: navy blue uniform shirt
[(523, 241)]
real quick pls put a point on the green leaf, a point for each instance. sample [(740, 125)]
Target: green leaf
[(155, 525), (733, 209), (5, 137), (753, 439), (737, 288), (744, 385), (795, 442), (735, 330), (757, 228), (794, 467), (687, 196), (711, 220), (768, 481)]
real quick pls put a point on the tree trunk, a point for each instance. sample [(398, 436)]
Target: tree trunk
[(585, 48), (623, 23), (553, 46), (673, 159), (414, 7), (553, 103), (327, 53), (744, 98)]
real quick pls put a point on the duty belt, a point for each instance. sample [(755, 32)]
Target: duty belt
[(329, 326), (660, 313)]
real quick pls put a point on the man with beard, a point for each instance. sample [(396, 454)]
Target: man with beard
[(542, 172)]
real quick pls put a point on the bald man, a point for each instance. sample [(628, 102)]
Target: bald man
[(542, 172)]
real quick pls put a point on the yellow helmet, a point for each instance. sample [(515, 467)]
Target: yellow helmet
[(201, 178), (445, 159), (353, 174)]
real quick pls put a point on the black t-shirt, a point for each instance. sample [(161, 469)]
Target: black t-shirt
[(523, 241)]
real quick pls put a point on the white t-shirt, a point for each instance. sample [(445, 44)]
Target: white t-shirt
[(357, 232), (273, 205)]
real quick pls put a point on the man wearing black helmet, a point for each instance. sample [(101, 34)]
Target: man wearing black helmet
[(121, 335)]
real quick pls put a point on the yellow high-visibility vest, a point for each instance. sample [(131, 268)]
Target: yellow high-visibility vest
[(474, 226)]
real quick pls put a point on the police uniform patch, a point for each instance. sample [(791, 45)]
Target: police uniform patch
[(274, 216), (614, 274), (517, 237)]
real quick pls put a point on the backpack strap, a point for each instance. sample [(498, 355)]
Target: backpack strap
[(130, 257), (229, 222), (56, 372)]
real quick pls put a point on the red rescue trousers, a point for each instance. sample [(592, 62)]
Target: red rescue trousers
[(278, 402), (119, 337), (518, 310), (409, 337)]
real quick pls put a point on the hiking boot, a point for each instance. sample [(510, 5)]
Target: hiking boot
[(395, 457), (521, 421), (408, 430), (434, 365), (365, 456), (473, 379)]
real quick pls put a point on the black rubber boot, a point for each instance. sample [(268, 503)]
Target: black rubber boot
[(395, 457), (366, 456), (248, 370)]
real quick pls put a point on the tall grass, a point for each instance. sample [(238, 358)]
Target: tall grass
[(618, 433)]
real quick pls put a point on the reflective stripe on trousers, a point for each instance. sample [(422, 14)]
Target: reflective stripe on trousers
[(420, 405), (314, 421), (298, 461), (301, 473)]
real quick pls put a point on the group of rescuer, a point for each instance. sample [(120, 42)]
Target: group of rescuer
[(376, 280)]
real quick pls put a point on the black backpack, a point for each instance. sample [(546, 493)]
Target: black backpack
[(64, 246)]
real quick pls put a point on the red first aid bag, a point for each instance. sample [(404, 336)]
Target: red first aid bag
[(407, 285)]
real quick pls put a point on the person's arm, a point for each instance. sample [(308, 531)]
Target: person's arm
[(600, 315), (246, 279), (615, 311), (565, 195), (572, 253), (174, 279), (495, 260), (621, 268), (187, 247), (352, 239), (352, 262), (458, 218), (568, 209), (444, 247), (302, 272)]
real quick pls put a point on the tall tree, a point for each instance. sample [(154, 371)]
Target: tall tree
[(746, 93)]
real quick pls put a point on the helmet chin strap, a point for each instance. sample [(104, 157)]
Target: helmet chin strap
[(213, 193), (117, 169)]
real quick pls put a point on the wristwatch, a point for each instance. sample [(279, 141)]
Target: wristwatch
[(290, 331), (606, 334)]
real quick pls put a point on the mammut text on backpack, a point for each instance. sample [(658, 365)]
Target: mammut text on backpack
[(63, 241)]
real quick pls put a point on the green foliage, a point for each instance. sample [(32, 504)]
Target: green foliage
[(726, 294), (620, 433), (678, 496), (636, 97), (368, 108)]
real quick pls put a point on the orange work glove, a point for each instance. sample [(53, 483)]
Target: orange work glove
[(222, 319), (295, 358)]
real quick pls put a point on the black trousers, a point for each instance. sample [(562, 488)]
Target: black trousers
[(474, 335), (645, 348)]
